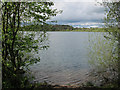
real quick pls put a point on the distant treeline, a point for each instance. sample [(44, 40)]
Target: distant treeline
[(48, 27)]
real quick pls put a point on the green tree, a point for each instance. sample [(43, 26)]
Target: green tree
[(101, 58), (105, 52), (113, 21), (17, 46)]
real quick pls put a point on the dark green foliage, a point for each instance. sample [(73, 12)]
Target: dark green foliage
[(61, 27), (48, 27), (18, 45)]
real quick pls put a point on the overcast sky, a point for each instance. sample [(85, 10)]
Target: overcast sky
[(79, 13)]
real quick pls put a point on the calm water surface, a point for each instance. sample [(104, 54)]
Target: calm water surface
[(65, 62)]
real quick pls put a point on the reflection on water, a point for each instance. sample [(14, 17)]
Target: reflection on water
[(65, 61)]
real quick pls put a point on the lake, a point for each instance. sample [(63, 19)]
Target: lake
[(65, 62)]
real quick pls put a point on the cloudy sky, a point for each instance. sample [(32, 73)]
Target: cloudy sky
[(79, 13)]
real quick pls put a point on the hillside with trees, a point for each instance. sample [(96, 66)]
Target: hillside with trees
[(48, 27)]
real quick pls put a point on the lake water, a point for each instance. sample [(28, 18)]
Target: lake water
[(65, 62)]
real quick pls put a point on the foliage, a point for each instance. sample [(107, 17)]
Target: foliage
[(105, 52), (48, 27), (103, 56), (113, 21), (61, 27), (18, 45), (101, 50)]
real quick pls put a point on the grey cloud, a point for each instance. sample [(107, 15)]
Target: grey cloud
[(79, 12)]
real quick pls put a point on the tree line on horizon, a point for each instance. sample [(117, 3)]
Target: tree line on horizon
[(56, 27)]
